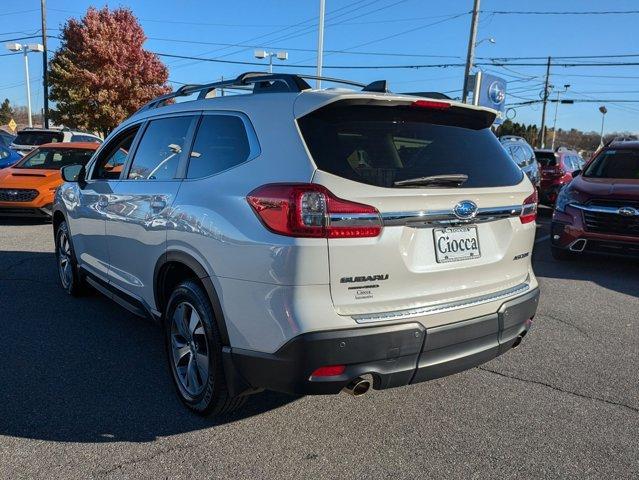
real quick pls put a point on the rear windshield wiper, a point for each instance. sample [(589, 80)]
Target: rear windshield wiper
[(452, 179)]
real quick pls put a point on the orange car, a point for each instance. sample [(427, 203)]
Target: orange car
[(27, 188)]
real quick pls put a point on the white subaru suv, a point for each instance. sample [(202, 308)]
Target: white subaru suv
[(305, 241)]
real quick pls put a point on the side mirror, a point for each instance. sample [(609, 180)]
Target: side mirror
[(576, 173), (73, 173)]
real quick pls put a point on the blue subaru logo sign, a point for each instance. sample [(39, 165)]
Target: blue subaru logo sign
[(465, 210)]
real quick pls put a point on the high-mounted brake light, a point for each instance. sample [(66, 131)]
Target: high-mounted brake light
[(310, 210), (430, 104), (529, 208)]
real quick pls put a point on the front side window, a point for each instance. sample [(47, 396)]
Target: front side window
[(113, 157), (158, 154), (221, 143), (55, 158), (622, 163)]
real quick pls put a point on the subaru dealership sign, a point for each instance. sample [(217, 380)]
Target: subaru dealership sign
[(490, 91)]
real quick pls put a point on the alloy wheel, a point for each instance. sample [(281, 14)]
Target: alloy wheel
[(189, 349), (64, 260)]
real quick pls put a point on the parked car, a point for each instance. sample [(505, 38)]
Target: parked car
[(29, 138), (598, 211), (8, 157), (557, 167), (305, 241), (27, 188), (523, 155), (6, 138)]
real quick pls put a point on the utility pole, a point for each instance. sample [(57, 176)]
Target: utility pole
[(542, 133), (320, 42), (45, 73), (471, 49)]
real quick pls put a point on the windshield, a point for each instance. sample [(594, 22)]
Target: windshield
[(615, 164), (384, 146), (55, 158), (38, 138)]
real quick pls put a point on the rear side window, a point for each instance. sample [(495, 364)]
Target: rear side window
[(158, 154), (38, 138), (221, 143), (382, 145)]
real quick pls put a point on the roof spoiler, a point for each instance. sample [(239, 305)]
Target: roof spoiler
[(261, 83)]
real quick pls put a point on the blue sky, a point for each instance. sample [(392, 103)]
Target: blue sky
[(375, 32)]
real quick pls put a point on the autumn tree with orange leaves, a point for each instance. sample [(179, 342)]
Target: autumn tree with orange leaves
[(102, 74)]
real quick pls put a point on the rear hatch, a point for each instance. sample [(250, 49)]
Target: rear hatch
[(448, 196)]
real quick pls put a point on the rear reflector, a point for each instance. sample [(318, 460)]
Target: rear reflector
[(329, 371), (310, 210), (529, 208), (430, 104)]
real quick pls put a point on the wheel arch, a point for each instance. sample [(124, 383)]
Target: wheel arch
[(176, 266)]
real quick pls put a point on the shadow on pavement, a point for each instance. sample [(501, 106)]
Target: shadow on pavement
[(85, 370)]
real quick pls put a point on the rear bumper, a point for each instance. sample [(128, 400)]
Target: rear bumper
[(395, 355)]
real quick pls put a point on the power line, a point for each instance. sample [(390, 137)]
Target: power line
[(594, 12)]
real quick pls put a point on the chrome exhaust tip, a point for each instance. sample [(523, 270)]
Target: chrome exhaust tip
[(578, 245), (357, 387)]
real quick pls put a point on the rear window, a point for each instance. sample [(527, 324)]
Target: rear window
[(38, 138), (615, 164), (55, 158), (381, 145), (546, 159)]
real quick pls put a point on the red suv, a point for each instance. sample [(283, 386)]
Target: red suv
[(556, 171), (598, 211)]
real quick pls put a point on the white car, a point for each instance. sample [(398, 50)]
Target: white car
[(29, 138), (305, 241)]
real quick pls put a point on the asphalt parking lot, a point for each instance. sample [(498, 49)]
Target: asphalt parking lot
[(85, 393)]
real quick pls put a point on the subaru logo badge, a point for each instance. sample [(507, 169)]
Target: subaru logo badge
[(628, 212), (465, 210)]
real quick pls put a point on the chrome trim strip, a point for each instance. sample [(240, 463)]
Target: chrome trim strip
[(600, 209), (354, 220), (442, 307), (425, 217)]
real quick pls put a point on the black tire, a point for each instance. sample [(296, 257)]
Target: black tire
[(561, 254), (214, 398), (70, 278)]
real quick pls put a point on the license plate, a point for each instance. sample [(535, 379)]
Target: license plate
[(456, 243)]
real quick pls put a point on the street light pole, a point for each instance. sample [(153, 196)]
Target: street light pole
[(320, 43), (26, 76), (554, 123), (45, 72), (603, 111), (472, 39), (25, 49), (262, 54)]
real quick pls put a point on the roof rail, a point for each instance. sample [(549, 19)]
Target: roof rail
[(262, 83)]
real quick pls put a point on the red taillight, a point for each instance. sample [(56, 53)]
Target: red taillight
[(309, 210), (433, 105), (329, 371), (529, 208)]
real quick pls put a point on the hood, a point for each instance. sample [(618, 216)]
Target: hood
[(29, 178), (612, 188)]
